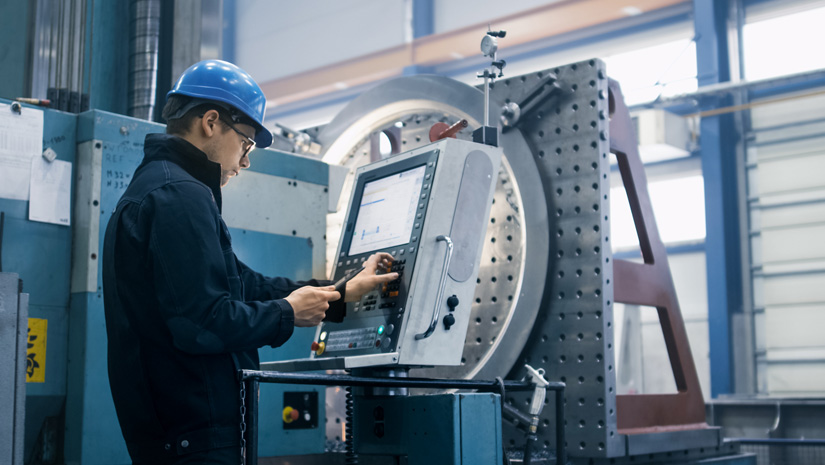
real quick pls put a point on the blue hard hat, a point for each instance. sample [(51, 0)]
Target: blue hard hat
[(221, 81)]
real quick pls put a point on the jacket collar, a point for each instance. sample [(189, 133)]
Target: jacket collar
[(182, 153)]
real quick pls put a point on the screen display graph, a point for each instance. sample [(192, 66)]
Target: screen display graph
[(386, 213)]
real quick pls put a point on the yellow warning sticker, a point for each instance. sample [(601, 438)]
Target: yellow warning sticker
[(36, 352)]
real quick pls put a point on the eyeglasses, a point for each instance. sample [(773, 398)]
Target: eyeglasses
[(247, 142)]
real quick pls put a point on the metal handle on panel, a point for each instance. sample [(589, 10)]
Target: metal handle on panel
[(441, 285)]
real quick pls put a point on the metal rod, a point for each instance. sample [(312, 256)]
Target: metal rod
[(516, 414), (561, 450), (2, 224), (778, 441), (731, 86), (252, 431), (364, 381), (486, 99)]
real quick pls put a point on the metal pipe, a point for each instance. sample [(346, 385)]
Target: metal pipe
[(362, 381), (561, 450), (778, 441), (143, 57), (252, 430), (724, 87), (516, 414)]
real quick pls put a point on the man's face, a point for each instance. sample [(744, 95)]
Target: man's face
[(230, 148)]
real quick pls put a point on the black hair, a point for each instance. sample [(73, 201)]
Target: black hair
[(180, 126)]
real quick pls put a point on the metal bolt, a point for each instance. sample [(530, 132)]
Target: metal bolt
[(184, 443)]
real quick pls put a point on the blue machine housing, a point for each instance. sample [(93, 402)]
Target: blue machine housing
[(60, 268)]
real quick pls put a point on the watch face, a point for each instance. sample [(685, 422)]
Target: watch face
[(488, 45)]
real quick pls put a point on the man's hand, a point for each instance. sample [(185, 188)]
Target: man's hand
[(311, 303), (366, 280)]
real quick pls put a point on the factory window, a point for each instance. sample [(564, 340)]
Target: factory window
[(777, 42), (662, 70), (679, 208)]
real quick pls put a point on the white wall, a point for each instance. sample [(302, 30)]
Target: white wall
[(277, 39), (454, 14), (786, 189)]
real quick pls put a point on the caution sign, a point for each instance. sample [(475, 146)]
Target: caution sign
[(36, 351)]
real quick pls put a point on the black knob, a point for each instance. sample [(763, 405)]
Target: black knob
[(452, 302), (449, 320)]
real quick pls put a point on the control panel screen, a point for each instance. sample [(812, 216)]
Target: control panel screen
[(386, 212)]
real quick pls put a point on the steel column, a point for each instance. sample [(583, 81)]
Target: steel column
[(423, 18), (718, 142)]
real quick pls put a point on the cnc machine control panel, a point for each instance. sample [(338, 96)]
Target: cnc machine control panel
[(389, 217), (429, 209)]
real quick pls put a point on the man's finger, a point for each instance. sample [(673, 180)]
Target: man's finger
[(385, 278), (331, 295)]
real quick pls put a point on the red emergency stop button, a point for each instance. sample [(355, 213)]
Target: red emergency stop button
[(290, 414), (318, 347)]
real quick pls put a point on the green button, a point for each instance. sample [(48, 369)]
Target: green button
[(381, 330)]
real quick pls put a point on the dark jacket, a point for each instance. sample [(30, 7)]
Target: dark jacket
[(183, 314)]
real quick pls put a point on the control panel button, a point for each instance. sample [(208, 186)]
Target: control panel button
[(290, 414), (321, 347), (390, 328)]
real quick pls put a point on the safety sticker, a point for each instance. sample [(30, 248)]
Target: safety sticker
[(36, 351)]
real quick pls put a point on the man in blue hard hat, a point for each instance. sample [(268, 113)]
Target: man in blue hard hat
[(183, 314)]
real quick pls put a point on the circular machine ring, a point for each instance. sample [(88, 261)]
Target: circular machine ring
[(396, 100)]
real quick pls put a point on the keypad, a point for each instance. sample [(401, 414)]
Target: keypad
[(351, 339)]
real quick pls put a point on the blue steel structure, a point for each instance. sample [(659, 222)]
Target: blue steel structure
[(76, 374), (718, 142)]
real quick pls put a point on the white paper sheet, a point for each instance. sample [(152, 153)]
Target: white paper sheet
[(21, 139), (51, 191)]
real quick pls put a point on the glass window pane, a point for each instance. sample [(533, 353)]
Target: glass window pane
[(784, 45), (679, 207), (665, 69)]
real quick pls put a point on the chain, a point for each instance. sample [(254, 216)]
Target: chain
[(243, 422)]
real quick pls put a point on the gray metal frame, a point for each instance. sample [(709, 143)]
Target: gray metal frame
[(573, 336), (14, 317)]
